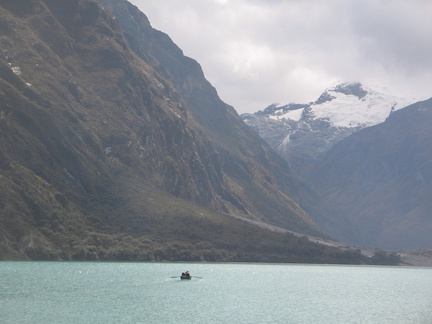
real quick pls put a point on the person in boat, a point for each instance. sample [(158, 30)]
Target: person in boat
[(186, 274)]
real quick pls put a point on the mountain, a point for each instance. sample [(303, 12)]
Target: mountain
[(365, 156), (381, 180), (113, 146), (257, 183), (301, 132)]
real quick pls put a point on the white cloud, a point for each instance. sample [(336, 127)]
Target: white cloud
[(257, 52)]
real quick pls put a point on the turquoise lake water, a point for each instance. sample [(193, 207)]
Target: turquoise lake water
[(75, 292)]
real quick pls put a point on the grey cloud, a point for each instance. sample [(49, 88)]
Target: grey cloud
[(257, 52)]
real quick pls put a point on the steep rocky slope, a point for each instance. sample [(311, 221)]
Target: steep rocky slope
[(114, 146), (258, 173)]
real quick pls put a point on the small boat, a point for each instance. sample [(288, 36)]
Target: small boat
[(185, 276)]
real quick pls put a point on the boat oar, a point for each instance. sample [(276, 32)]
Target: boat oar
[(175, 277), (198, 277)]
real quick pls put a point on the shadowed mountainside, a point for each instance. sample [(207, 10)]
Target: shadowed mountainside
[(381, 179)]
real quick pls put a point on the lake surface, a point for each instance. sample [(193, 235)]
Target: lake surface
[(79, 292)]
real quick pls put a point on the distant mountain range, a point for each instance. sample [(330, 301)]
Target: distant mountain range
[(368, 158)]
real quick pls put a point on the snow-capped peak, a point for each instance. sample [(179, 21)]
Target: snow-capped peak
[(300, 133), (349, 105)]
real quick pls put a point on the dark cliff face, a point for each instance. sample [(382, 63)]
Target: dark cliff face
[(244, 157), (112, 131), (381, 179), (99, 103)]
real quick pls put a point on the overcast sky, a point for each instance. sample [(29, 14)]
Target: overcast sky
[(259, 52)]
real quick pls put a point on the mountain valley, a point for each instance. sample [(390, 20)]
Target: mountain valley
[(114, 146)]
